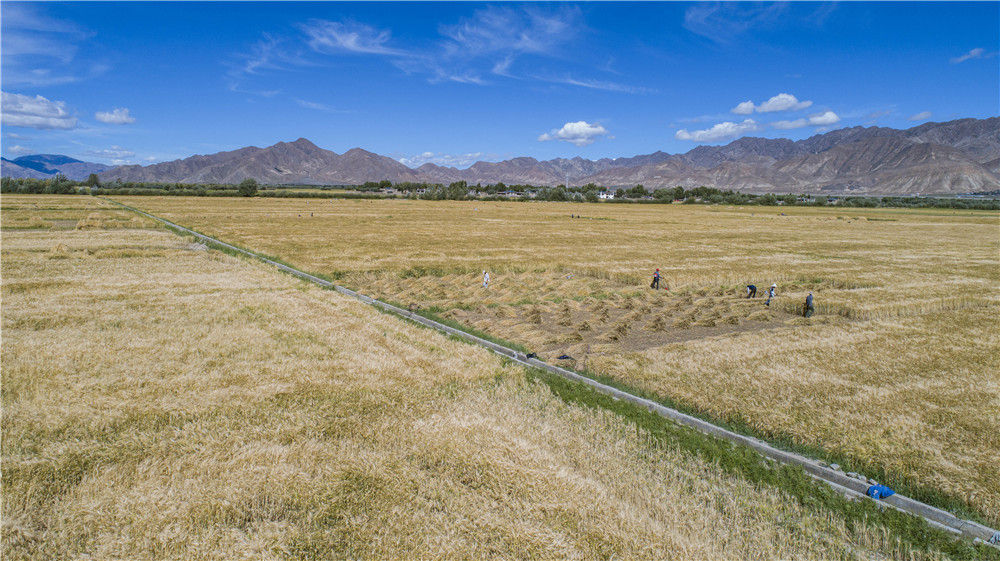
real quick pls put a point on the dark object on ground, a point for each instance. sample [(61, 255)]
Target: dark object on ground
[(565, 357), (880, 492), (532, 355)]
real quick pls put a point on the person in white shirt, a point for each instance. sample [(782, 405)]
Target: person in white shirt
[(486, 279)]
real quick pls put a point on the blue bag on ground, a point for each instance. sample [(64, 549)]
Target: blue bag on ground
[(880, 492)]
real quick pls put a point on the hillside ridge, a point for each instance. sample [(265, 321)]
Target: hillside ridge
[(933, 158)]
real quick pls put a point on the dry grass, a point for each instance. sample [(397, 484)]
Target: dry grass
[(906, 318), (61, 212), (168, 403)]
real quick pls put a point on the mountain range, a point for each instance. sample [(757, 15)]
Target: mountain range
[(45, 166), (958, 156)]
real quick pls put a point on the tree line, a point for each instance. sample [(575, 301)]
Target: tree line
[(461, 190)]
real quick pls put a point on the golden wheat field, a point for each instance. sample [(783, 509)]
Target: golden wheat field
[(899, 370), (163, 401)]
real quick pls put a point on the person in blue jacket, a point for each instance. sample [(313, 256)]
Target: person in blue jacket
[(770, 294), (809, 310)]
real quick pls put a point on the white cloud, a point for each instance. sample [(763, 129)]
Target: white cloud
[(443, 62), (35, 112), (787, 125), (18, 149), (451, 160), (782, 102), (580, 133), (597, 85), (703, 118), (490, 42), (348, 36), (725, 22), (262, 56), (876, 115), (973, 54), (316, 106), (118, 116), (922, 116), (502, 67), (467, 78), (744, 108), (41, 51), (511, 31), (720, 131), (495, 41), (115, 154), (823, 119), (268, 54)]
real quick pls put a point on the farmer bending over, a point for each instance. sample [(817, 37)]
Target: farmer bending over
[(751, 291), (770, 294)]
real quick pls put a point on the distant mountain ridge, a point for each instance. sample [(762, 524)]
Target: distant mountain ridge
[(44, 166), (934, 158), (9, 169), (299, 162)]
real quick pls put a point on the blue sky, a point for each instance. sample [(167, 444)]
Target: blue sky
[(456, 82)]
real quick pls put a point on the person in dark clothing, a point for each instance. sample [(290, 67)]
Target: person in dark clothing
[(656, 280), (751, 291), (809, 306)]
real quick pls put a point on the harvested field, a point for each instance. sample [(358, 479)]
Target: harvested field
[(61, 212), (896, 372), (165, 402)]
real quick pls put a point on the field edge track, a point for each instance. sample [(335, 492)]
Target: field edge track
[(842, 483)]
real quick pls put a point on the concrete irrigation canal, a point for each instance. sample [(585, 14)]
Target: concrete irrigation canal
[(853, 486)]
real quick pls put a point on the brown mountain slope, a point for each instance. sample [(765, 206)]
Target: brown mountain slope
[(977, 138), (10, 169), (933, 158), (889, 165), (876, 165), (283, 163)]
